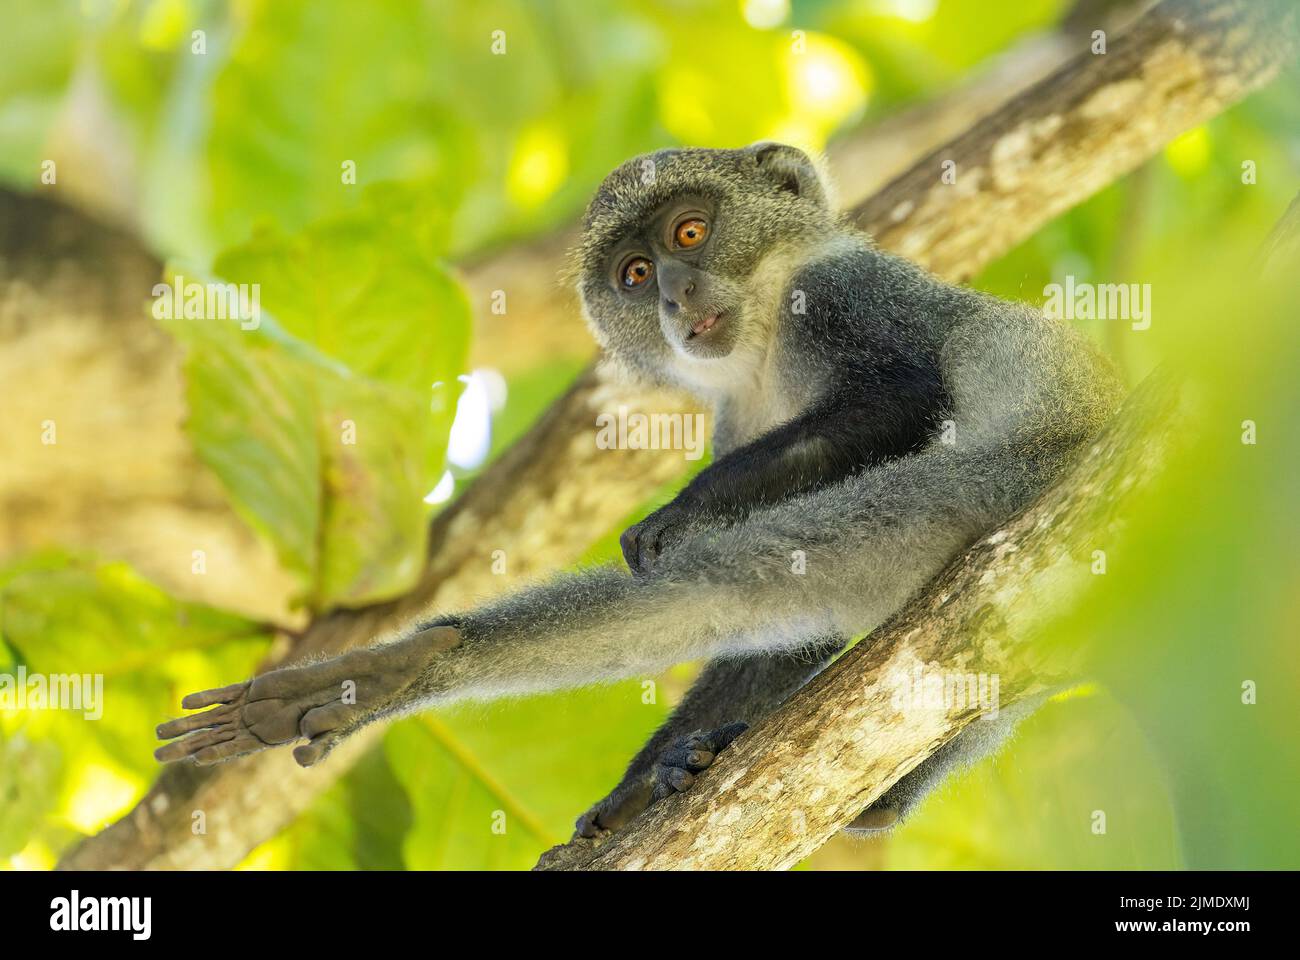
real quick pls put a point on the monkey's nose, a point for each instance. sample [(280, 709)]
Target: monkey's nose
[(675, 302)]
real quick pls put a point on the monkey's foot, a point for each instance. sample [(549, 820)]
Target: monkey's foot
[(673, 772), (321, 702), (678, 766)]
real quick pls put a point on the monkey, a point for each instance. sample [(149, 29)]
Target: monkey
[(869, 419)]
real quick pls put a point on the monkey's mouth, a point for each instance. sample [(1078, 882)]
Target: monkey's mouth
[(706, 324)]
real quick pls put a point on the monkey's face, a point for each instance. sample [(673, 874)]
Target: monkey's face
[(675, 266), (671, 262)]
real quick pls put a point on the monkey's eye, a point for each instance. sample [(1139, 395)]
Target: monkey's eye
[(636, 272), (691, 233)]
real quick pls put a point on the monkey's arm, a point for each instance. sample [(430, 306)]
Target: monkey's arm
[(837, 438), (869, 542)]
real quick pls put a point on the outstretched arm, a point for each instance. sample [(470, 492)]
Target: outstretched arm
[(866, 543)]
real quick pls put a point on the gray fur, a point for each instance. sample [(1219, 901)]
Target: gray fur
[(1024, 392)]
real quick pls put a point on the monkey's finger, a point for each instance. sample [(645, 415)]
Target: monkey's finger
[(242, 744), (180, 749), (723, 736), (192, 744), (195, 721), (681, 779), (324, 719), (323, 678), (691, 755), (206, 698), (588, 826), (317, 749), (672, 780), (698, 759)]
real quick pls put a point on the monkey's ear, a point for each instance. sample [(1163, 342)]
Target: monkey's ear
[(790, 169)]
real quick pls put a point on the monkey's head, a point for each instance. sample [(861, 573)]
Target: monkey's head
[(679, 258)]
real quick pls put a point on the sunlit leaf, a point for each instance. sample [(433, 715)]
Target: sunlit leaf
[(324, 422)]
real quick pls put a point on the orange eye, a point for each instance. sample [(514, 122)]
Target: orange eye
[(691, 233), (637, 272)]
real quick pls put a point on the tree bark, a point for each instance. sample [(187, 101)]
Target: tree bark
[(1055, 144)]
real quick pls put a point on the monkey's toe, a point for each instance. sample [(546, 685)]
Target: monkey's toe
[(678, 765), (588, 825)]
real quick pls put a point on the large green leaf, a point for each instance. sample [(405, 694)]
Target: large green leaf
[(361, 290), (358, 824), (309, 86), (324, 422), (491, 787)]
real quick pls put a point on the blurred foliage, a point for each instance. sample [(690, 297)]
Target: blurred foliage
[(62, 614), (234, 162), (329, 422), (1032, 806)]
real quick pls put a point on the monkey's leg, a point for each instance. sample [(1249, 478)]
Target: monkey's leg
[(730, 694)]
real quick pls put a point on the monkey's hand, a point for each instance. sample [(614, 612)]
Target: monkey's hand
[(643, 543), (321, 702)]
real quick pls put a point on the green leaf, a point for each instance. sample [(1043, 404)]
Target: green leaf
[(1033, 805), (40, 49), (324, 423), (29, 771), (361, 291), (311, 85), (360, 823), (493, 787), (253, 419)]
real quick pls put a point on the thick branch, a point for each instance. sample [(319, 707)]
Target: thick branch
[(556, 473)]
